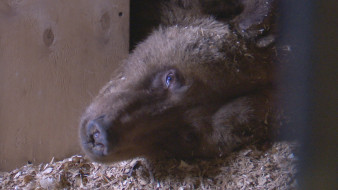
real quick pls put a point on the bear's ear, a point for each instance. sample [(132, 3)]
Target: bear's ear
[(257, 18)]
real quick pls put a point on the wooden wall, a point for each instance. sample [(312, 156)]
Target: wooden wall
[(54, 57)]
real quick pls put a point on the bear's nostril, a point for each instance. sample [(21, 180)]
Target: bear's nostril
[(96, 135)]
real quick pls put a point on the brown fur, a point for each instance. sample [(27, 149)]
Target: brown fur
[(218, 98)]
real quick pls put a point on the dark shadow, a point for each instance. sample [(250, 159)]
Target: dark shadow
[(144, 18)]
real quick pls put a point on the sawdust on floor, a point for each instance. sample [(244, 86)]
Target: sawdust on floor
[(249, 168)]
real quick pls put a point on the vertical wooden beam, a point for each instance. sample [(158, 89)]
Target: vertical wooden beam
[(309, 86)]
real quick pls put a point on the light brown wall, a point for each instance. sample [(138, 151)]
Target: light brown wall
[(54, 57)]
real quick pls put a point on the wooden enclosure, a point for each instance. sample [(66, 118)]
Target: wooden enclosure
[(54, 57)]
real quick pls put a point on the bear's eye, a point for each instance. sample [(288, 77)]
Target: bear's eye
[(169, 79)]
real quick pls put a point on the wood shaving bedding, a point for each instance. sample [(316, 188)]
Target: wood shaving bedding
[(247, 169)]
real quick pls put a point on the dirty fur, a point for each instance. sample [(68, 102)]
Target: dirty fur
[(196, 87)]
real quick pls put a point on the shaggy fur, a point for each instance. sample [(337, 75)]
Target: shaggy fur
[(196, 87)]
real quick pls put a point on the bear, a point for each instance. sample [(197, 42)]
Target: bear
[(199, 86)]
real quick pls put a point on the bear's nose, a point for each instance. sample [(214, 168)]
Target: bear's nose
[(97, 131)]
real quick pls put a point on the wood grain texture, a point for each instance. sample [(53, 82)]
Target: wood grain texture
[(54, 56)]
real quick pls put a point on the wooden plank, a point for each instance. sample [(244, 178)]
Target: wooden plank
[(54, 57)]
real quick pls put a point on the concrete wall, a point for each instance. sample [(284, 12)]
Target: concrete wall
[(54, 57)]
